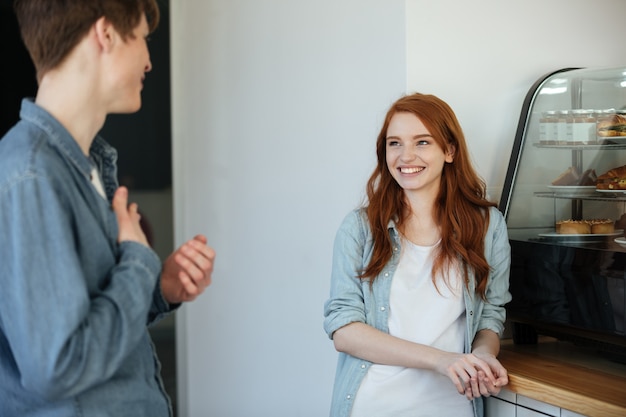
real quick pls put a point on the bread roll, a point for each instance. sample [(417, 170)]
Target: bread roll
[(602, 226), (573, 227), (585, 227)]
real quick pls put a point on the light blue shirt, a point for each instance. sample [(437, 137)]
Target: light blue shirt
[(351, 299), (75, 303)]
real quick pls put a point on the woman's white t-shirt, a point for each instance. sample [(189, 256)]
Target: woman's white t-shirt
[(421, 313)]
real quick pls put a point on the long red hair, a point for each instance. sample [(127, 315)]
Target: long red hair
[(462, 207)]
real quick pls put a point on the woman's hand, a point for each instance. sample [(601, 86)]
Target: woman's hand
[(485, 385), (470, 374), (486, 346)]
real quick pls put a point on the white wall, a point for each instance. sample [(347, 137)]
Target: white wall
[(276, 106), (483, 56)]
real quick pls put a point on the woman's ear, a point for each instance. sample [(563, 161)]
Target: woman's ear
[(450, 153)]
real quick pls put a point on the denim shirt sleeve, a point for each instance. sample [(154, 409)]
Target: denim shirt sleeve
[(346, 303), (105, 158), (160, 307), (67, 332), (498, 254)]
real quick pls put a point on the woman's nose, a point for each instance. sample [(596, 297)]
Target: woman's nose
[(408, 153)]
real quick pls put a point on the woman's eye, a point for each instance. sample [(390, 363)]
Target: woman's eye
[(393, 143), (422, 142)]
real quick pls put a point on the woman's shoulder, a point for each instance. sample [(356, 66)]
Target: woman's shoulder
[(355, 219), (356, 223), (495, 216), (496, 227)]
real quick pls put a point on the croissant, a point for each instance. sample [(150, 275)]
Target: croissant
[(613, 179)]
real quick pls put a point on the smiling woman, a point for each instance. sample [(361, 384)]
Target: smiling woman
[(424, 264)]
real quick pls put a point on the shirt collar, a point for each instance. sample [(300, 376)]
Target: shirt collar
[(100, 152)]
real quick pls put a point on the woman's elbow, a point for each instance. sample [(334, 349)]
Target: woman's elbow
[(341, 338)]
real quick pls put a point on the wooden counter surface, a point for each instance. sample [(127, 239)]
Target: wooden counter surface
[(566, 376)]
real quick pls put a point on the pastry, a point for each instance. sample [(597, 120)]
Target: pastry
[(602, 226), (613, 179), (588, 178), (585, 227), (568, 177), (612, 126), (573, 227), (571, 177)]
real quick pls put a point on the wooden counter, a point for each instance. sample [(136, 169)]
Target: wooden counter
[(566, 376)]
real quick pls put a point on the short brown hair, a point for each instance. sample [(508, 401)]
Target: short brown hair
[(52, 28)]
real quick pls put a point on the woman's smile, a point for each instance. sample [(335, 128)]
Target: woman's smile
[(411, 170)]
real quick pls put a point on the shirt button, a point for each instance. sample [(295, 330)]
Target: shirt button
[(395, 248), (382, 309), (471, 313), (348, 396), (386, 274), (363, 366)]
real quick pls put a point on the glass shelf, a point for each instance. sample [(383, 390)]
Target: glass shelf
[(610, 197)]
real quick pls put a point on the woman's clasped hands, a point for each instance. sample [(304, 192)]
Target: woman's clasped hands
[(474, 374)]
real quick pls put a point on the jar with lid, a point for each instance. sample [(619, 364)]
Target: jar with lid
[(547, 128), (582, 127), (562, 119)]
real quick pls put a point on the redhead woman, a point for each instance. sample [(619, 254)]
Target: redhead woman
[(420, 277)]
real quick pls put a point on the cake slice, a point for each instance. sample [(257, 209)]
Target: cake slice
[(570, 176)]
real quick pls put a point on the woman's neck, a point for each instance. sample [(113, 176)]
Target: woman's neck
[(419, 225)]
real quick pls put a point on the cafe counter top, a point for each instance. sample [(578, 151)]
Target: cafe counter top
[(567, 376)]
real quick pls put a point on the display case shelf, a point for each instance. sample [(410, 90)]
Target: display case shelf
[(608, 196)]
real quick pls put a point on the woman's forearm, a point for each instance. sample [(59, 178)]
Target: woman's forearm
[(486, 341), (363, 341)]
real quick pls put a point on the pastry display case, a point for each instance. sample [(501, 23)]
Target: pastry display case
[(564, 200)]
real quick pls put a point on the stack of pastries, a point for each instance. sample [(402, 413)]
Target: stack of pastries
[(613, 179), (585, 227)]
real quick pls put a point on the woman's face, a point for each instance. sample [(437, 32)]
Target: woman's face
[(414, 158)]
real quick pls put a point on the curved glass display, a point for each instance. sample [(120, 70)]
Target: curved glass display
[(564, 200)]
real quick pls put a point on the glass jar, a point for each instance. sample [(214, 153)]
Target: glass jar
[(582, 127), (562, 119), (547, 128)]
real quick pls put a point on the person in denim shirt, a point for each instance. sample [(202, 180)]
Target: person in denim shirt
[(79, 281), (420, 277)]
